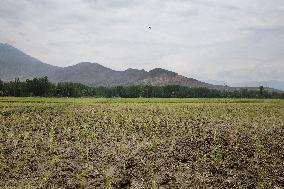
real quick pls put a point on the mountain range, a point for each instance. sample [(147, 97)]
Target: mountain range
[(16, 64)]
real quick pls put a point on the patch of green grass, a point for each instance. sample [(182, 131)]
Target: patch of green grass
[(136, 100)]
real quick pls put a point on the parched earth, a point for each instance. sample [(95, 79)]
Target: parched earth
[(142, 145)]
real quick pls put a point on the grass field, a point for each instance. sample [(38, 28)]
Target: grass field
[(141, 143), (138, 100)]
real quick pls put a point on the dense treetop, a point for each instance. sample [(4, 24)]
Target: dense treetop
[(44, 88)]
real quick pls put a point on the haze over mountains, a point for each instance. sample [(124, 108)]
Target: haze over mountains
[(16, 64), (272, 84)]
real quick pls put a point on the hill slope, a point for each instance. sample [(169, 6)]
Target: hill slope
[(14, 63), (97, 75)]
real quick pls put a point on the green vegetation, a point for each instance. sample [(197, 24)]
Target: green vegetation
[(136, 100), (141, 143), (41, 87)]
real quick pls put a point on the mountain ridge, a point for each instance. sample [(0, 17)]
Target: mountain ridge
[(16, 64)]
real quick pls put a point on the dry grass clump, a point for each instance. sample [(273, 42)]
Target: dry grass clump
[(133, 145)]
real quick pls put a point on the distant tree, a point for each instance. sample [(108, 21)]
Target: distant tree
[(38, 86), (157, 92), (133, 91), (261, 89), (42, 87), (121, 92), (1, 88)]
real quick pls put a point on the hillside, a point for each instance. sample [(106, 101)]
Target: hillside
[(94, 74), (16, 64), (160, 76)]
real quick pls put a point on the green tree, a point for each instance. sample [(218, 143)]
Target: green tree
[(261, 89)]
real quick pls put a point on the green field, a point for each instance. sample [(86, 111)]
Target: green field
[(141, 143), (139, 100)]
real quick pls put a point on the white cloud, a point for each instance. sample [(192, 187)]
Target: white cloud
[(208, 39)]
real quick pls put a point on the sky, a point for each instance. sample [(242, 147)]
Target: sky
[(220, 40)]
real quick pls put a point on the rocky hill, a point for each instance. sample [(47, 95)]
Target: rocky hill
[(16, 64)]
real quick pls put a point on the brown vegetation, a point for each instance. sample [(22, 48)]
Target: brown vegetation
[(116, 145)]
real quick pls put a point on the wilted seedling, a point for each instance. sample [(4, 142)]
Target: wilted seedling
[(259, 149), (107, 181), (154, 184), (261, 178), (221, 148), (51, 140), (218, 156), (19, 165), (81, 175)]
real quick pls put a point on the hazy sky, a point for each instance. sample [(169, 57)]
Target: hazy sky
[(230, 40)]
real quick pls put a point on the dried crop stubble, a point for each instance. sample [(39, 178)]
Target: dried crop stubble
[(133, 145)]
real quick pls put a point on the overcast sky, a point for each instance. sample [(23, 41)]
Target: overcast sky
[(227, 40)]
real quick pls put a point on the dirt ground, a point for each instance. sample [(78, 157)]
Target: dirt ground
[(151, 145)]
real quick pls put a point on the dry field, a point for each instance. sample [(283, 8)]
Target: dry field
[(213, 144)]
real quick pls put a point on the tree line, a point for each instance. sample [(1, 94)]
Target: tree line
[(42, 87)]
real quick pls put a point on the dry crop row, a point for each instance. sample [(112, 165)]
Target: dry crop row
[(134, 145)]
